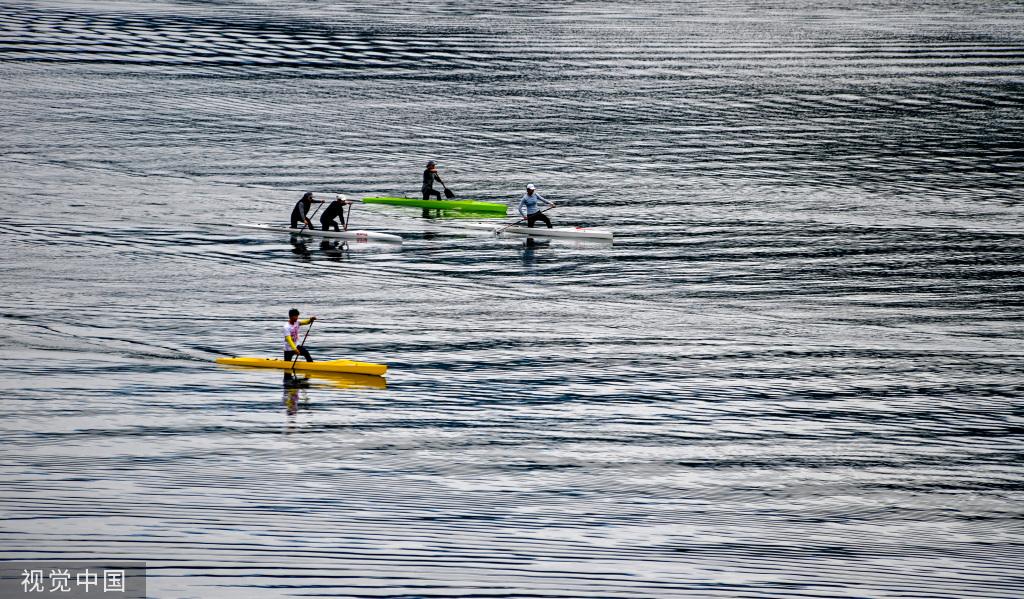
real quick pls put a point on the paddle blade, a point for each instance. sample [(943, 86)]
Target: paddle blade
[(449, 194)]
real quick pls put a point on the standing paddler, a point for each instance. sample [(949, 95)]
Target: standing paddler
[(335, 209), (302, 208), (530, 201)]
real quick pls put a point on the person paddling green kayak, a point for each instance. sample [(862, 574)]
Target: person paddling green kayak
[(530, 201), (429, 176)]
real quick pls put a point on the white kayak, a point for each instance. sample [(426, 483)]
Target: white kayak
[(575, 232), (359, 236)]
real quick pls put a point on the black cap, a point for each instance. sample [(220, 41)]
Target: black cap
[(293, 312)]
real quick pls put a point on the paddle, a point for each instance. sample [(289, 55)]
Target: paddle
[(496, 231), (348, 214), (302, 344), (448, 194)]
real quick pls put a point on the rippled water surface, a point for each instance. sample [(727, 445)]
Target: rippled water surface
[(796, 372)]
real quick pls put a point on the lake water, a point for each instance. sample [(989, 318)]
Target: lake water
[(798, 371)]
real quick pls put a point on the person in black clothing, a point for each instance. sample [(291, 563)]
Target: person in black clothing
[(335, 209), (429, 176), (302, 208)]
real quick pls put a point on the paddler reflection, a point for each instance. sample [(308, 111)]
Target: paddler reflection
[(334, 249), (529, 245), (300, 248), (293, 397)]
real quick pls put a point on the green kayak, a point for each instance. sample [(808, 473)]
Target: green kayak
[(463, 205)]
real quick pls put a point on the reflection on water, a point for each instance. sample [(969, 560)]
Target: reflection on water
[(299, 247), (444, 215), (530, 246), (331, 249), (295, 394), (797, 371), (334, 250)]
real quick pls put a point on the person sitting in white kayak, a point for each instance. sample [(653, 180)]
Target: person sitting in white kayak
[(530, 201), (302, 208), (291, 336), (335, 209)]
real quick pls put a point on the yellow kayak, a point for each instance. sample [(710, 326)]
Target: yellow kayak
[(300, 364), (341, 380)]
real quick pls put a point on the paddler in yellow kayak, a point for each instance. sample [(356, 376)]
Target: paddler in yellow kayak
[(291, 336)]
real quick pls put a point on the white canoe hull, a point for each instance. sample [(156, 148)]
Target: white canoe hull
[(358, 236), (574, 233)]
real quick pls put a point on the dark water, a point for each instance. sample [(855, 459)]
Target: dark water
[(797, 372)]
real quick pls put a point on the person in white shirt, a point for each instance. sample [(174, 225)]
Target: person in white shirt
[(531, 201), (291, 336)]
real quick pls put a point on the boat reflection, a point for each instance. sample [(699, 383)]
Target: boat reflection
[(343, 380), (434, 214)]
